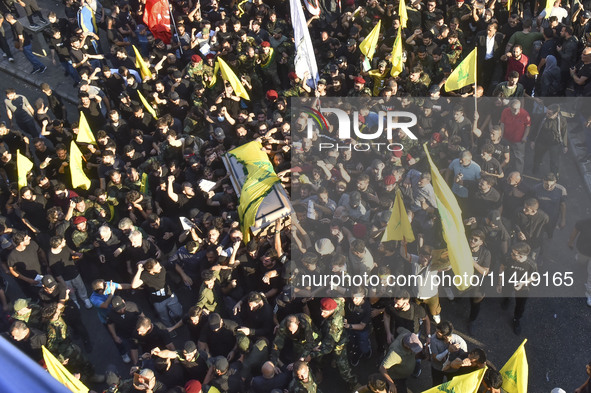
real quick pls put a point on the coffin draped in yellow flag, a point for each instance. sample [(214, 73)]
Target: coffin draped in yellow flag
[(403, 15), (464, 74), (59, 372), (260, 179), (79, 178), (515, 371), (460, 256), (231, 77), (23, 166), (397, 63), (141, 64), (467, 383), (85, 134), (398, 227), (369, 44)]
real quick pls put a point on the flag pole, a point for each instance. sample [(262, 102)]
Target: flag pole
[(174, 24), (475, 95)]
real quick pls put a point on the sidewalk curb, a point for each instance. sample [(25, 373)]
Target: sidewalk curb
[(35, 80)]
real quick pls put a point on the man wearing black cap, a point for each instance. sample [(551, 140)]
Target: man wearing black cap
[(57, 292), (219, 377), (121, 323), (218, 338)]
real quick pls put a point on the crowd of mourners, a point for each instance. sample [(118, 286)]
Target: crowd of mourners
[(120, 248)]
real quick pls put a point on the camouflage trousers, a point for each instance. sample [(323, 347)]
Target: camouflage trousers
[(341, 359)]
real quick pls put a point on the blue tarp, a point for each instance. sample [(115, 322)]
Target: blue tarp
[(20, 374)]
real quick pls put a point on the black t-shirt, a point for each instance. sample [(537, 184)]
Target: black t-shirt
[(584, 239), (124, 322), (156, 286), (18, 29), (26, 262), (155, 338), (60, 46), (59, 294), (195, 330), (61, 264), (409, 319), (519, 271), (358, 314), (195, 369), (220, 343)]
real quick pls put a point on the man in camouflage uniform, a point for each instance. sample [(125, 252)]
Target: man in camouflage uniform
[(27, 312), (303, 381), (268, 66), (60, 344), (334, 338), (84, 234), (300, 331), (194, 70)]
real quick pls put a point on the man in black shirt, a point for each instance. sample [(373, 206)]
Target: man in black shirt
[(218, 337), (121, 323), (149, 336), (153, 277), (28, 340), (26, 262), (22, 41), (403, 313), (61, 46)]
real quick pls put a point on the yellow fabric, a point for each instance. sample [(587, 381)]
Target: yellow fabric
[(79, 178), (23, 166), (515, 371), (231, 77), (147, 105), (369, 44), (59, 372), (141, 64), (460, 256), (397, 64), (214, 78), (548, 9), (254, 190), (144, 184), (402, 13), (85, 134), (251, 156), (398, 227), (467, 383), (464, 74)]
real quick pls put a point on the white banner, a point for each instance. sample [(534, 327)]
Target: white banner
[(305, 60)]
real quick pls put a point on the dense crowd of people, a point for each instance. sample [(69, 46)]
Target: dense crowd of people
[(251, 326)]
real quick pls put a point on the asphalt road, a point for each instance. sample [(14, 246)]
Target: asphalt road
[(557, 328)]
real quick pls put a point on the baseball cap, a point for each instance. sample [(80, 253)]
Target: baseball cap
[(117, 303), (322, 81), (220, 363), (333, 67), (412, 341), (328, 304), (219, 133), (174, 96), (351, 42), (494, 216), (189, 346), (532, 69), (215, 321), (19, 304), (48, 281), (79, 220)]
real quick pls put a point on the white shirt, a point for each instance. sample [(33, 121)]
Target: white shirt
[(490, 47)]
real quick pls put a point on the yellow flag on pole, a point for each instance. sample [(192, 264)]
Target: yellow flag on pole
[(59, 372), (460, 256), (23, 166), (402, 14), (79, 178), (397, 63), (147, 105), (144, 184), (398, 227), (515, 371), (141, 64), (548, 9), (85, 134), (231, 77), (464, 74), (369, 44), (509, 5), (467, 383)]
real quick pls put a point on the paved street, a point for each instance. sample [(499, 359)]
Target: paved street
[(557, 329)]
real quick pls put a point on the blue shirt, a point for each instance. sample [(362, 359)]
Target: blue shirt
[(470, 173)]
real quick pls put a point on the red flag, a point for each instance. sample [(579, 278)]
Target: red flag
[(157, 18)]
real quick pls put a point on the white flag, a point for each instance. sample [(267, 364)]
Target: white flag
[(305, 60)]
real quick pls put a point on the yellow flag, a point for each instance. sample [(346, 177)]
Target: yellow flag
[(231, 77), (402, 14), (398, 227), (369, 44), (515, 371), (23, 166), (144, 184), (147, 105), (79, 178), (460, 256), (509, 5), (214, 78), (397, 63), (548, 9), (467, 383), (85, 134), (257, 186), (141, 64), (252, 156), (59, 372), (464, 74)]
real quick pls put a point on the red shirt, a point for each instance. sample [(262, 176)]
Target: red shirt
[(516, 65), (515, 124)]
